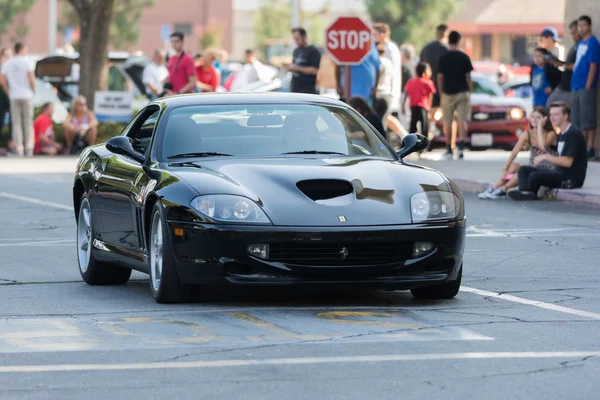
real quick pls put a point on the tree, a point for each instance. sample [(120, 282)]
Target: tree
[(9, 9), (412, 21), (211, 38), (124, 27), (124, 30), (94, 23), (272, 21)]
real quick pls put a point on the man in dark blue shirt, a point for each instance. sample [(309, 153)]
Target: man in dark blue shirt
[(305, 64), (584, 83)]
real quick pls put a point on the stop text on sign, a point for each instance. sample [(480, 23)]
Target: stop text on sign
[(346, 39)]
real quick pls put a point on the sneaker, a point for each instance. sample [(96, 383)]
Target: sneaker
[(460, 155), (516, 194), (447, 155), (496, 194), (483, 195), (591, 153)]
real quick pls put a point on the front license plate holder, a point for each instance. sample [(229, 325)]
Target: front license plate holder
[(482, 140)]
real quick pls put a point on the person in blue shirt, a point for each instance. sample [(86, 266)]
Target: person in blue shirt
[(544, 77), (539, 82), (364, 77), (584, 83)]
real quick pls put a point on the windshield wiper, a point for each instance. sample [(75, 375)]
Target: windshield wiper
[(315, 152), (202, 154)]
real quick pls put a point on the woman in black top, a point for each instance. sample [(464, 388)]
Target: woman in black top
[(363, 108)]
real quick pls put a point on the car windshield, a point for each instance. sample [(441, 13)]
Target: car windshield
[(484, 85), (270, 130)]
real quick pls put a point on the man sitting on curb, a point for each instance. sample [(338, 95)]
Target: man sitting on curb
[(571, 160)]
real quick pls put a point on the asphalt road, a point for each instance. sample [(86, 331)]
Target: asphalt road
[(525, 325)]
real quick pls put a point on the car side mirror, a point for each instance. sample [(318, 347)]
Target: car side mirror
[(411, 143), (124, 146)]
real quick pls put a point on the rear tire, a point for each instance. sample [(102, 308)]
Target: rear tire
[(446, 290), (93, 271), (164, 282)]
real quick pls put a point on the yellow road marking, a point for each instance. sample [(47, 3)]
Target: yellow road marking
[(352, 318)]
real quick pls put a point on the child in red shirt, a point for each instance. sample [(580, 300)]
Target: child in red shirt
[(420, 90), (44, 132)]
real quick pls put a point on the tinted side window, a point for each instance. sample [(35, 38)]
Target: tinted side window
[(142, 131)]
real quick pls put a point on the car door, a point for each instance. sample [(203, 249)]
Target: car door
[(118, 197)]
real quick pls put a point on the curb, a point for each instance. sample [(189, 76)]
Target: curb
[(577, 196)]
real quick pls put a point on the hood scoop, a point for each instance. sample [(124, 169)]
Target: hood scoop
[(322, 190)]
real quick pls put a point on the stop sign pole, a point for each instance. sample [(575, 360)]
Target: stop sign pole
[(348, 41)]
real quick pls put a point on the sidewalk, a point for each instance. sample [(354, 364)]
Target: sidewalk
[(473, 174), (479, 169)]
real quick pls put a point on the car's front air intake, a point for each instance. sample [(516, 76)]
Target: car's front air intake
[(325, 189)]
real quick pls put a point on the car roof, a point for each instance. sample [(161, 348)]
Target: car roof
[(206, 99)]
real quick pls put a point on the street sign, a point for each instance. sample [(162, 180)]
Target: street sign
[(165, 32), (112, 106), (348, 40)]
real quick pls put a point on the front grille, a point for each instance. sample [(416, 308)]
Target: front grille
[(340, 254), (491, 116)]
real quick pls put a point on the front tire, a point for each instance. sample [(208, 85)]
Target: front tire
[(446, 290), (93, 271), (164, 282)]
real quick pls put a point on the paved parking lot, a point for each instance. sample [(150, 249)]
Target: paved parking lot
[(525, 324)]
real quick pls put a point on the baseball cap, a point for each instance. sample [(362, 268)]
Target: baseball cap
[(551, 32)]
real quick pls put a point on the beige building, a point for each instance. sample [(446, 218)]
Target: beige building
[(234, 20), (506, 30), (193, 17)]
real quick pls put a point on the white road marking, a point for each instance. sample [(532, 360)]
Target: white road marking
[(35, 201), (30, 239), (535, 303), (62, 242), (296, 361), (476, 231)]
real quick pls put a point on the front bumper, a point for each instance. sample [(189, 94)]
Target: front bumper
[(505, 133), (217, 254)]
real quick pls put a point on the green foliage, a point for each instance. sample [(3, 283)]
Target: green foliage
[(9, 9), (272, 21), (412, 21), (210, 39), (124, 28)]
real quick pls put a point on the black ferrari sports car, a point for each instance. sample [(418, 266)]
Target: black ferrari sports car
[(264, 189)]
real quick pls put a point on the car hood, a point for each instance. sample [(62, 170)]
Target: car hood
[(363, 191), (478, 99)]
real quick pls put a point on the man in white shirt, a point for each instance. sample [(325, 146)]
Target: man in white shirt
[(155, 75), (18, 80), (382, 34), (252, 71)]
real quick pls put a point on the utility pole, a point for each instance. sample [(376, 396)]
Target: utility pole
[(51, 26), (295, 13)]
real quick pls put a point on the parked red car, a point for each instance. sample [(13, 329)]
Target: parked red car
[(496, 121)]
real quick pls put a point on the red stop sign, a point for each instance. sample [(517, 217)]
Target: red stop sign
[(348, 40)]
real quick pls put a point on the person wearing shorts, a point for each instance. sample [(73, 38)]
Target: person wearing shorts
[(454, 81), (584, 84), (431, 54)]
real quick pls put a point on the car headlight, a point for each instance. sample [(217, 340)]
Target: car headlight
[(230, 208), (434, 206), (438, 114), (516, 113)]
